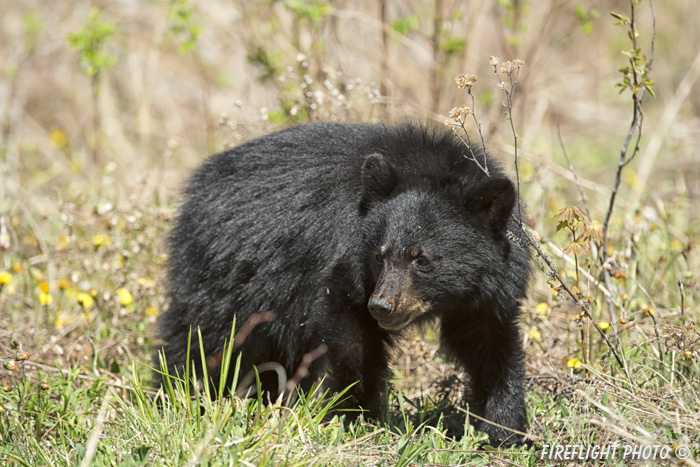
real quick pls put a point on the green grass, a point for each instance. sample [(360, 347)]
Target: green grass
[(81, 422)]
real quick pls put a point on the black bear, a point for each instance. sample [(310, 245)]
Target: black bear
[(347, 234)]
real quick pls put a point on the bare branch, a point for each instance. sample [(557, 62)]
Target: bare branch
[(638, 98), (582, 304)]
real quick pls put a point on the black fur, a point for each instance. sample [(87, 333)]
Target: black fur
[(316, 222)]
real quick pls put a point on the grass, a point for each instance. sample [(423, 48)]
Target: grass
[(90, 170)]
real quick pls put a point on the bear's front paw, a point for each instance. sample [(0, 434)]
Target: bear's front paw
[(503, 438)]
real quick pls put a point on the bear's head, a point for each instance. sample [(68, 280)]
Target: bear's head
[(429, 243)]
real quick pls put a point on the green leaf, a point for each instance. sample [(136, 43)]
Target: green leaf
[(406, 24), (452, 45), (313, 10), (622, 19)]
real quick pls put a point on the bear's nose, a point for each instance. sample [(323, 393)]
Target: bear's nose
[(380, 306)]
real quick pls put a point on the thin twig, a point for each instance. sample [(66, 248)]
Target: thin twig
[(214, 360), (560, 253), (681, 285), (582, 305), (584, 200), (303, 368), (509, 106), (658, 337), (638, 98), (467, 143), (481, 133)]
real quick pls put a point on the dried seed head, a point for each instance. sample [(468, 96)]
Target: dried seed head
[(465, 81), (459, 114)]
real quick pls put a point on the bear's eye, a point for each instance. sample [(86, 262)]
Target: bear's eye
[(423, 263)]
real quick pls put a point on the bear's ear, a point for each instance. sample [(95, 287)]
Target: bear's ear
[(494, 198), (378, 181)]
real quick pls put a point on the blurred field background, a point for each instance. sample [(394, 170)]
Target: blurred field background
[(106, 106)]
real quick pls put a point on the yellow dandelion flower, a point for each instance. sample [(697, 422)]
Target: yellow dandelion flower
[(573, 363), (63, 284), (85, 299), (44, 287), (632, 179), (151, 311), (76, 166), (146, 282), (62, 319), (534, 334), (101, 240), (45, 299), (17, 268), (648, 310), (5, 278), (88, 317), (30, 241), (527, 170), (543, 308), (676, 245), (93, 292), (604, 325), (125, 297), (58, 138)]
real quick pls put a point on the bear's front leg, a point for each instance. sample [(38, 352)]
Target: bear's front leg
[(357, 357), (492, 354), (363, 366)]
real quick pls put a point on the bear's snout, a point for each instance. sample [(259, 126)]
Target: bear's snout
[(380, 307)]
